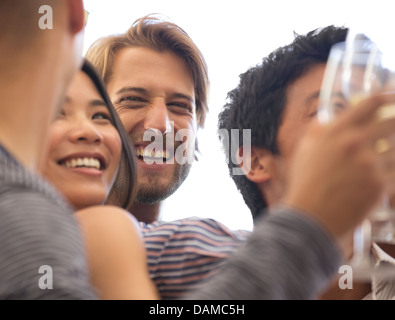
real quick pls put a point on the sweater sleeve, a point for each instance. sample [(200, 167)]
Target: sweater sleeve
[(41, 252), (288, 256)]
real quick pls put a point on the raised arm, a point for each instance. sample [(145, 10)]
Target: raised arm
[(333, 184)]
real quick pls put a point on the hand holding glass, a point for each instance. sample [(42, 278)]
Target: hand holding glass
[(355, 70)]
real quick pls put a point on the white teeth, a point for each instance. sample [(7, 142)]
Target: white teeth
[(82, 162), (92, 162), (152, 154), (147, 153), (73, 163)]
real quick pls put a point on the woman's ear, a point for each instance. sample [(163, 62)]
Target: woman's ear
[(257, 165)]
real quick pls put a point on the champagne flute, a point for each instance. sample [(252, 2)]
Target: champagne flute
[(383, 219), (356, 69)]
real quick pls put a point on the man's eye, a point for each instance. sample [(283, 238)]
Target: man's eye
[(132, 99), (130, 102), (180, 107), (339, 105)]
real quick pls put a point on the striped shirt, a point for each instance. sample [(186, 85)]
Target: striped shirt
[(288, 256), (183, 254), (41, 249)]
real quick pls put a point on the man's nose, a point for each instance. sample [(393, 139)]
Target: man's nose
[(157, 119)]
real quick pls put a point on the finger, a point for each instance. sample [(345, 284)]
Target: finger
[(382, 134), (389, 185), (387, 161)]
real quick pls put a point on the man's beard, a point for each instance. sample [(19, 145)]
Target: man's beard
[(153, 193)]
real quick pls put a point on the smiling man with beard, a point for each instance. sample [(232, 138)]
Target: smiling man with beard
[(155, 104), (157, 79)]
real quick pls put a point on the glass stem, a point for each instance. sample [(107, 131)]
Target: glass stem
[(362, 244)]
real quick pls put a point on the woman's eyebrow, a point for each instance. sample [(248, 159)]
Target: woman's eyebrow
[(97, 103)]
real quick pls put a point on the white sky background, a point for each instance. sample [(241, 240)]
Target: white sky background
[(233, 36)]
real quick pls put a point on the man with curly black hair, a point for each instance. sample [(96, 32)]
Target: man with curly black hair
[(277, 101)]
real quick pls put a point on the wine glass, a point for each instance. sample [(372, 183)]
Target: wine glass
[(356, 69)]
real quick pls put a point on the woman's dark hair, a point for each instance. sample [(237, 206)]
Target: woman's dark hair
[(123, 190)]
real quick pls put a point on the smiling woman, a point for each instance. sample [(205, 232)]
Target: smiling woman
[(100, 123), (85, 147), (87, 150)]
